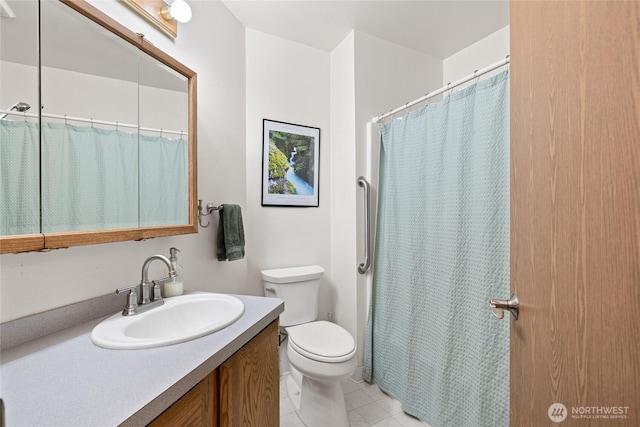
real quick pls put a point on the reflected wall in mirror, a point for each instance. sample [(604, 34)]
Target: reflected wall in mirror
[(116, 133)]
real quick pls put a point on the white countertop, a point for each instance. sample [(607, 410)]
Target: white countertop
[(65, 380)]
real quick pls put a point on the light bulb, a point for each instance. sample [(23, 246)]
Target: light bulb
[(179, 10)]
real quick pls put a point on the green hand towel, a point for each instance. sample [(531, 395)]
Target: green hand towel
[(230, 241)]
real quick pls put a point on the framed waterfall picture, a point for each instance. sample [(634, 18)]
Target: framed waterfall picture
[(290, 164)]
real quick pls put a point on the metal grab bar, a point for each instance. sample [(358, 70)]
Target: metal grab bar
[(364, 266)]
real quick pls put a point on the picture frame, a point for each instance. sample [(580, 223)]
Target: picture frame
[(290, 164)]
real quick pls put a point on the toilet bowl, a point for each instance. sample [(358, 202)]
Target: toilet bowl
[(321, 354)]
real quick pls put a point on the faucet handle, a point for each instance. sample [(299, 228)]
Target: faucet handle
[(157, 294), (131, 288), (132, 300)]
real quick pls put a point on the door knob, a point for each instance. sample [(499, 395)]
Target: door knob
[(498, 306)]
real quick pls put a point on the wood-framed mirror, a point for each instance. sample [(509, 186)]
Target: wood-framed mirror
[(113, 145)]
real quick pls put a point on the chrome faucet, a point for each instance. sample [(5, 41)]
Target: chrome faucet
[(145, 285), (134, 306)]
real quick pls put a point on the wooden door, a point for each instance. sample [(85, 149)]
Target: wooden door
[(575, 212)]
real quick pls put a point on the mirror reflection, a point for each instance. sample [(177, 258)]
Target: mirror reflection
[(164, 120), (89, 161), (112, 148), (19, 130)]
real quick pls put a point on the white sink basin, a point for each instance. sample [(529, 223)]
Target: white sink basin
[(179, 319)]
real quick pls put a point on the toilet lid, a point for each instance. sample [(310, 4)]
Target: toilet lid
[(322, 341)]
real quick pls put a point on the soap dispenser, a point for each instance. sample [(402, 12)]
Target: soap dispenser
[(174, 287)]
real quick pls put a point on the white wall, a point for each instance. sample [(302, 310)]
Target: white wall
[(18, 83), (213, 45), (343, 161), (286, 82), (481, 54)]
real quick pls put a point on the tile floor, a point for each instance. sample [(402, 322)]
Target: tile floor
[(367, 406)]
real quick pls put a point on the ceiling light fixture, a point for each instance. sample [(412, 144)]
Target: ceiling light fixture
[(178, 10)]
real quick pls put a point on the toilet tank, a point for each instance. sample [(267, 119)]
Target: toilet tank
[(298, 287)]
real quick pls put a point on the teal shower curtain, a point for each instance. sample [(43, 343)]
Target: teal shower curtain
[(164, 188), (89, 178), (19, 178), (442, 251)]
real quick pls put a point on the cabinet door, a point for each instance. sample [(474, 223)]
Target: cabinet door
[(196, 408), (250, 384)]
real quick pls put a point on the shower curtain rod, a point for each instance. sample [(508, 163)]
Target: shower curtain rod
[(443, 89), (92, 121)]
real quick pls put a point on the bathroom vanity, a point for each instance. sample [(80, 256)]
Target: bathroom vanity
[(244, 390), (227, 378)]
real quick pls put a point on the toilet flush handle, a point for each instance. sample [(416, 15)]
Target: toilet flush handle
[(270, 290)]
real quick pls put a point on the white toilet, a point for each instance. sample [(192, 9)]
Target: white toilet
[(321, 354)]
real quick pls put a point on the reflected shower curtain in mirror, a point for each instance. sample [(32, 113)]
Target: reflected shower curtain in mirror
[(89, 178), (442, 251), (19, 178), (164, 188), (92, 179)]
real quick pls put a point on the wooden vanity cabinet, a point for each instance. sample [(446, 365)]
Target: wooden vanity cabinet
[(250, 383), (199, 407), (243, 391)]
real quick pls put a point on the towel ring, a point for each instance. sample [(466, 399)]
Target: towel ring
[(208, 210)]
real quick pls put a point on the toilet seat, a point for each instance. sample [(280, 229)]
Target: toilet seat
[(322, 341)]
